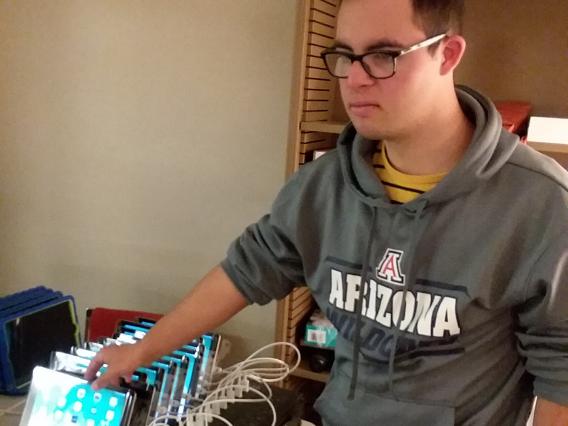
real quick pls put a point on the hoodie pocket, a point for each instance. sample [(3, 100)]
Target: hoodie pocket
[(369, 409)]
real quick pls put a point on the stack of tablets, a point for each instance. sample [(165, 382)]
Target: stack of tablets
[(162, 393), (33, 323)]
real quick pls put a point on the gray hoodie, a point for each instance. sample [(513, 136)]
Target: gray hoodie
[(464, 306)]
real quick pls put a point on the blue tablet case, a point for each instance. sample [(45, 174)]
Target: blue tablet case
[(30, 333)]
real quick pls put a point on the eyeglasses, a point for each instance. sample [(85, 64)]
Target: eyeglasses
[(379, 64)]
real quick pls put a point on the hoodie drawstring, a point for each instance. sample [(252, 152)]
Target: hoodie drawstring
[(363, 292), (410, 279), (359, 307)]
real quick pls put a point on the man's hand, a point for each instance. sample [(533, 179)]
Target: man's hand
[(121, 361), (213, 301)]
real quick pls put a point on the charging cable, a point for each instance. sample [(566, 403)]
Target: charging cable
[(231, 383)]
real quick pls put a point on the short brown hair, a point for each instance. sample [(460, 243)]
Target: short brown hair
[(439, 16)]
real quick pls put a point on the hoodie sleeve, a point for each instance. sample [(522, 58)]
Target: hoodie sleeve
[(543, 320), (264, 263)]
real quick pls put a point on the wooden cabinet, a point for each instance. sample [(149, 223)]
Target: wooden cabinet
[(314, 124), (317, 114)]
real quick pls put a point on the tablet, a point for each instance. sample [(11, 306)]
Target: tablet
[(59, 399), (28, 338)]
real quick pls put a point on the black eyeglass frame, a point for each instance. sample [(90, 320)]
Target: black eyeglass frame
[(394, 55)]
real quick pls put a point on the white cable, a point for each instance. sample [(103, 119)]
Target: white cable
[(260, 363), (272, 374), (263, 382), (285, 369), (253, 355), (166, 417), (234, 380), (215, 416), (252, 369), (232, 400), (279, 344), (246, 388), (163, 418), (234, 391)]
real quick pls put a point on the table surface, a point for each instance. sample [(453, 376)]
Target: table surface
[(240, 414), (12, 420), (7, 402)]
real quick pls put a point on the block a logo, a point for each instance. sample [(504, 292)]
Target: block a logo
[(389, 268)]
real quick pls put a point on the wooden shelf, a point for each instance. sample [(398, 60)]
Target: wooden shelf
[(335, 127), (545, 147), (304, 372)]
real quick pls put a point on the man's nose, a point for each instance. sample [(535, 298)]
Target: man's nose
[(358, 77)]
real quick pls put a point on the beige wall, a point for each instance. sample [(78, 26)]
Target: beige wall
[(137, 139), (518, 49)]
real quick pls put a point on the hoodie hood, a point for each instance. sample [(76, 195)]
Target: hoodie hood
[(488, 151)]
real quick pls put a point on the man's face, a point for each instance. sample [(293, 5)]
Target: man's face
[(395, 107)]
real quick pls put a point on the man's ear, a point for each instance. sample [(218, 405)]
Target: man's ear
[(452, 52)]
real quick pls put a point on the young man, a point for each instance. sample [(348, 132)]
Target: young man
[(430, 237)]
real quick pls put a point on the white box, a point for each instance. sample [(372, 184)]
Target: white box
[(548, 135)]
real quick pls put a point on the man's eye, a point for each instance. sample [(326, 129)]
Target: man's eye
[(380, 55), (379, 58)]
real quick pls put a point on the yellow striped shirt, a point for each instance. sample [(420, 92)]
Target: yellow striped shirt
[(401, 187)]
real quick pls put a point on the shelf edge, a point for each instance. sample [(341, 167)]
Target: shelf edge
[(306, 373), (335, 127)]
